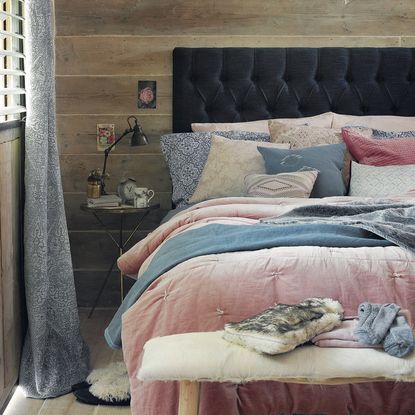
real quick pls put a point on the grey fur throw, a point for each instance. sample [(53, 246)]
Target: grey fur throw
[(283, 327), (391, 221)]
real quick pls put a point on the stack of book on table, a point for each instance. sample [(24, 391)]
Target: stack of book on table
[(105, 201)]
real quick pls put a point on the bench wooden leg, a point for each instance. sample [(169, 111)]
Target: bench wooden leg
[(189, 398)]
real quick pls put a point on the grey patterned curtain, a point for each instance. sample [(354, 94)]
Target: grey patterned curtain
[(54, 353)]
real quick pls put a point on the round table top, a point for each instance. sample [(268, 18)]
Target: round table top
[(119, 210)]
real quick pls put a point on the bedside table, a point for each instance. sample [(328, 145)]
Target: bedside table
[(122, 212)]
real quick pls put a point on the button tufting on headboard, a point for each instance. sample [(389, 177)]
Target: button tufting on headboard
[(245, 84)]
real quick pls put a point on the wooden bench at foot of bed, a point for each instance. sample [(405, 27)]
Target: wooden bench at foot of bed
[(192, 358)]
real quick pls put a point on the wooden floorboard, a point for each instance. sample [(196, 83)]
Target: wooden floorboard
[(92, 330)]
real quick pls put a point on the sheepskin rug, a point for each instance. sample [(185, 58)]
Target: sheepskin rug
[(110, 383)]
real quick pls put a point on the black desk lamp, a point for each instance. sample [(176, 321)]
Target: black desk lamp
[(137, 139)]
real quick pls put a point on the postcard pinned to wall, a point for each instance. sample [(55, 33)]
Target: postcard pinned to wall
[(105, 136), (147, 94)]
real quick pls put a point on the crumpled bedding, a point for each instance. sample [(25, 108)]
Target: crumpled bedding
[(219, 238), (204, 293)]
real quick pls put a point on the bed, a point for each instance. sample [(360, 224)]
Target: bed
[(207, 289)]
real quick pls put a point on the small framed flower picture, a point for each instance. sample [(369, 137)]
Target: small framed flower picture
[(105, 136), (147, 94)]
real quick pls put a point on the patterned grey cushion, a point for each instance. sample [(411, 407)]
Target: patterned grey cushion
[(392, 134), (186, 155), (381, 134)]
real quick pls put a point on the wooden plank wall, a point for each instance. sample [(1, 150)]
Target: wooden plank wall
[(103, 47), (10, 270)]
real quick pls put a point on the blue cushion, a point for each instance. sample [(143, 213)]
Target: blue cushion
[(328, 160)]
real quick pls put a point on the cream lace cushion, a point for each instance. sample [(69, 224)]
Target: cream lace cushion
[(226, 167), (296, 184), (303, 135)]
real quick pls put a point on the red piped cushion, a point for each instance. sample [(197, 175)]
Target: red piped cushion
[(379, 152)]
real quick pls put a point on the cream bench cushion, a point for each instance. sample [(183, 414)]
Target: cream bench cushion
[(192, 358), (207, 357)]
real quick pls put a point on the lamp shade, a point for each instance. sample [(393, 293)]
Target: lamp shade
[(138, 138)]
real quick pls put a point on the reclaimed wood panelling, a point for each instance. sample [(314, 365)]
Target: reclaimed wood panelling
[(252, 17), (106, 55), (10, 316), (149, 171), (103, 47), (408, 41), (77, 133), (5, 213), (107, 95)]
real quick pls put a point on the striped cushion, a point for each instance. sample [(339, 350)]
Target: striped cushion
[(295, 184), (377, 152)]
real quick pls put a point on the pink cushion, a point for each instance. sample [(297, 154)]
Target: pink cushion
[(379, 152)]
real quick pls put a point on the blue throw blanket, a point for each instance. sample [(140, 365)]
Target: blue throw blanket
[(216, 239)]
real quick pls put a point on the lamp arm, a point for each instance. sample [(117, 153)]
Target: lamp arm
[(107, 152)]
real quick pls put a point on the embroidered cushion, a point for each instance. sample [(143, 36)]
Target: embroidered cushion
[(227, 165), (384, 181), (327, 159), (186, 155), (376, 152), (295, 184)]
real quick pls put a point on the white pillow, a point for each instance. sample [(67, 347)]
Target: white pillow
[(379, 122), (296, 184), (381, 181), (261, 126), (228, 163)]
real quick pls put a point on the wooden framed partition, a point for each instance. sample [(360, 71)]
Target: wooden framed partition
[(10, 263)]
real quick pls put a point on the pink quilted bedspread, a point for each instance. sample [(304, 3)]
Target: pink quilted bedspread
[(204, 293)]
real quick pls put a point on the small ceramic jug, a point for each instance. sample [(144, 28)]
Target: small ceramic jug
[(142, 197)]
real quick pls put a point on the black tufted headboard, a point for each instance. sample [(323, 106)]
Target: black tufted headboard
[(245, 84)]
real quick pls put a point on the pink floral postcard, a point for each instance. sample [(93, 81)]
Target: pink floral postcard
[(147, 94), (105, 136)]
